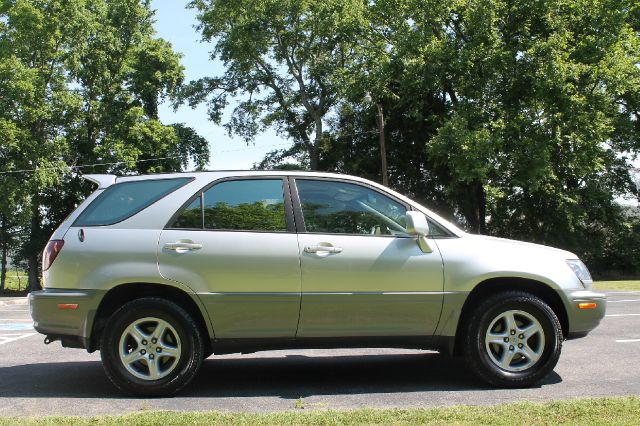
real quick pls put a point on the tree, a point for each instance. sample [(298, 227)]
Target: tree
[(82, 79), (539, 116), (519, 118), (34, 41), (285, 58)]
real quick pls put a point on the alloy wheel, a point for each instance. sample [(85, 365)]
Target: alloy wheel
[(150, 348), (514, 340)]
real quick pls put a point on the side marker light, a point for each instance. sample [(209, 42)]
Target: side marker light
[(67, 306), (587, 305)]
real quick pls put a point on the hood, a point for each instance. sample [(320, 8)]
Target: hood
[(505, 244)]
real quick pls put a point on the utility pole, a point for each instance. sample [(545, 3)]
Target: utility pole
[(381, 139), (383, 145)]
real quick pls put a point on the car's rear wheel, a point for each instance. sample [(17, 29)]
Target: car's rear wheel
[(513, 339), (151, 347)]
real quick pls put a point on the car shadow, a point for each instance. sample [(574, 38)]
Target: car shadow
[(287, 377)]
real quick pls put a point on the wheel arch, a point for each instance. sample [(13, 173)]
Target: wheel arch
[(500, 284), (123, 293)]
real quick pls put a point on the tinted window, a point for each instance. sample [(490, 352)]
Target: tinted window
[(248, 205), (191, 216), (122, 200), (344, 208)]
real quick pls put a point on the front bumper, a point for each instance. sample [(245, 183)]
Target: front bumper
[(582, 321), (55, 315)]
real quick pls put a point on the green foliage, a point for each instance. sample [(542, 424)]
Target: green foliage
[(284, 58), (191, 147), (518, 118), (80, 83)]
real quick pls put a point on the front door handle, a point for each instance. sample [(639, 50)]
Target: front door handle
[(183, 246), (322, 249)]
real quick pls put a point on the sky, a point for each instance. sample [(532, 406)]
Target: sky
[(175, 24)]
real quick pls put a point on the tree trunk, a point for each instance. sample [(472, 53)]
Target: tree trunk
[(314, 151), (34, 281), (475, 208), (314, 158), (34, 252)]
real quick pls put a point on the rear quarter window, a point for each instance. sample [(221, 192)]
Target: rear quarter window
[(123, 200)]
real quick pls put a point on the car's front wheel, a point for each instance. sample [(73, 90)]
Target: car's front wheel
[(151, 347), (513, 339)]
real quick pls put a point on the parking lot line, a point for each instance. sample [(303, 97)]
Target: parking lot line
[(628, 341), (8, 338)]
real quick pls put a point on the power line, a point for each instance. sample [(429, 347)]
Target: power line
[(115, 163), (72, 167)]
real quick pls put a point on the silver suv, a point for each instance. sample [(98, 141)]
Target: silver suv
[(160, 272)]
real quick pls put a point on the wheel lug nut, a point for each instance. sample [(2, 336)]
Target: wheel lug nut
[(154, 340), (520, 345), (521, 336), (511, 348), (513, 332), (144, 342), (158, 350), (151, 356), (143, 352), (506, 340)]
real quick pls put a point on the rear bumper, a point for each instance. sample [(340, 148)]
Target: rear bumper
[(582, 321), (55, 315)]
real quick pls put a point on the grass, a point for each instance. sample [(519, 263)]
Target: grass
[(16, 281), (617, 285), (599, 411)]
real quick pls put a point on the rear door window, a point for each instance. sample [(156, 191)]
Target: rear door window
[(123, 200), (237, 205)]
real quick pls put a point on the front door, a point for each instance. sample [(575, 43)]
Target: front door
[(362, 275), (236, 247)]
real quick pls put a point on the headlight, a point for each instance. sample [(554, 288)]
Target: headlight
[(581, 271)]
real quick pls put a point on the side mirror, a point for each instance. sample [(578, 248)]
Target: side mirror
[(416, 224)]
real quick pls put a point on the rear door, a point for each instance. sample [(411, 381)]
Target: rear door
[(237, 238)]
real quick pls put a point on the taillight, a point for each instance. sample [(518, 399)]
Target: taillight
[(51, 252)]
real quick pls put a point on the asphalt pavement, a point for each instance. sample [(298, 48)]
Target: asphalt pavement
[(39, 379)]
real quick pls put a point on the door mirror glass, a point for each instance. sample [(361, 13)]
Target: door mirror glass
[(416, 224)]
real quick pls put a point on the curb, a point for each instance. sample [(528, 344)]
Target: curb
[(15, 301)]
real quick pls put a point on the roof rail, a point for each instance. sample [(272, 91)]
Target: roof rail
[(103, 181)]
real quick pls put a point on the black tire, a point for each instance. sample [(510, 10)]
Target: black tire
[(478, 354), (182, 369)]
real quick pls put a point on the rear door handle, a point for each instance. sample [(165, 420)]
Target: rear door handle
[(322, 249), (182, 246)]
